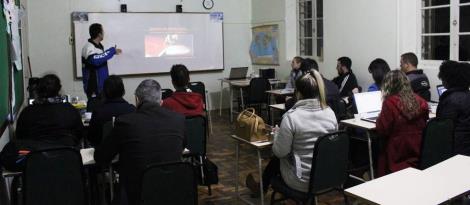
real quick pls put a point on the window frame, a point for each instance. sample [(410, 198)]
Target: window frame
[(454, 31), (300, 35)]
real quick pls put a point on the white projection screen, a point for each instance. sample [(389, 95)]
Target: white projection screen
[(153, 42)]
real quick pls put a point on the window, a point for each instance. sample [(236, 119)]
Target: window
[(310, 28), (445, 30)]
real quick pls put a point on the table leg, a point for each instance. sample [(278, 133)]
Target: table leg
[(260, 169), (111, 185), (237, 154), (371, 161), (241, 98), (221, 97), (231, 103)]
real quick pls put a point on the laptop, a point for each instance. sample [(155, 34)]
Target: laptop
[(440, 89), (238, 73), (369, 105)]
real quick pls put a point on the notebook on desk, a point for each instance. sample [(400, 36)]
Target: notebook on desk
[(369, 105), (238, 73)]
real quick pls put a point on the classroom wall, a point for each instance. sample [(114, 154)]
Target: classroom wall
[(267, 12), (50, 29)]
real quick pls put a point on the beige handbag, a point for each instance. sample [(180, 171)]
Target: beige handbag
[(250, 126)]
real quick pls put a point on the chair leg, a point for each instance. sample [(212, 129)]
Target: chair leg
[(209, 190), (345, 197)]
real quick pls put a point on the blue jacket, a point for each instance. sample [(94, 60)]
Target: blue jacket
[(95, 67)]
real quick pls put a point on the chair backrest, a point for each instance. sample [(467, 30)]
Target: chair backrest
[(196, 132), (54, 177), (330, 162), (437, 143), (166, 93), (198, 87), (172, 183), (257, 90), (107, 129)]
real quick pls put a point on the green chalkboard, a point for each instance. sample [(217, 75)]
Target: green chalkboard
[(4, 78)]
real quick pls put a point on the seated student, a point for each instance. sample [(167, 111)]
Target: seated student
[(418, 80), (295, 73), (400, 124), (113, 106), (48, 122), (378, 68), (454, 103), (301, 126), (346, 80), (331, 91), (151, 134), (183, 100)]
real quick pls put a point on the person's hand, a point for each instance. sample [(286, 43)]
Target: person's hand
[(118, 51)]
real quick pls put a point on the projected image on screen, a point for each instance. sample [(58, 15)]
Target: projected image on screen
[(169, 45)]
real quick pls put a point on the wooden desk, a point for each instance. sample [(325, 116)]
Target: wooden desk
[(435, 185), (240, 84), (258, 146), (281, 92), (280, 107)]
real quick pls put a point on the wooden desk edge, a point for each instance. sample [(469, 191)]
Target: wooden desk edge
[(252, 143)]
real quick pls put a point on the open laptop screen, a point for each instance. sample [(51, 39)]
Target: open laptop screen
[(238, 73), (368, 102), (440, 89)]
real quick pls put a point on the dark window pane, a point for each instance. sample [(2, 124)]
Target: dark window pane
[(305, 10), (319, 8), (464, 19), (305, 47), (308, 32), (435, 2), (435, 47), (319, 47), (436, 20), (464, 48), (305, 28), (320, 28), (464, 1)]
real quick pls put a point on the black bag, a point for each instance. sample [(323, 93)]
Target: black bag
[(211, 175)]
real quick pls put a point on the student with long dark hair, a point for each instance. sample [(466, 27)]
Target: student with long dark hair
[(301, 126), (378, 68), (400, 124), (454, 103)]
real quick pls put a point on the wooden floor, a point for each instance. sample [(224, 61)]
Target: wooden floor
[(221, 150)]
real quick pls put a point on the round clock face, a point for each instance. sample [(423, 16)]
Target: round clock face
[(208, 4)]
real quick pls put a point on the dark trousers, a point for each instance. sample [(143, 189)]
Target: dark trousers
[(273, 169)]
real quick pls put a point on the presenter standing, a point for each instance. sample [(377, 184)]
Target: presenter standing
[(95, 62)]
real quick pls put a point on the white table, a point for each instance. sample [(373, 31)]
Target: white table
[(258, 146), (368, 127), (281, 107), (240, 84), (435, 185)]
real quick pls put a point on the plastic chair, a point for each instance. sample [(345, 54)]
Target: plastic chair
[(328, 171), (54, 177), (200, 88), (437, 143), (172, 183)]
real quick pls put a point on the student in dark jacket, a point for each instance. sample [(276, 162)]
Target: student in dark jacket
[(150, 135), (418, 80), (346, 80), (183, 100), (114, 105), (47, 123), (400, 124), (454, 103)]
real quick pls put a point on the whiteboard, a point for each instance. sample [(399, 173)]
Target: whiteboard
[(153, 42)]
